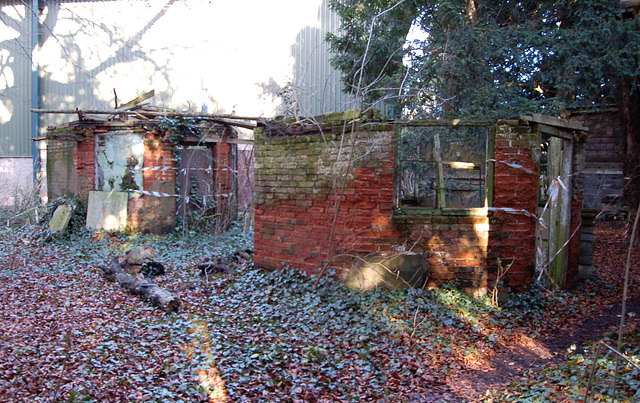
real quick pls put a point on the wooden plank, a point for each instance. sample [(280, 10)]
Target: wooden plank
[(629, 3), (553, 171), (442, 122), (605, 166), (596, 171), (145, 112), (440, 179), (605, 140), (555, 132), (559, 270), (603, 159), (191, 140), (490, 167), (138, 99), (555, 122)]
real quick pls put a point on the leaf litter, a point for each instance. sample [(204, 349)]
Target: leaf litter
[(69, 335)]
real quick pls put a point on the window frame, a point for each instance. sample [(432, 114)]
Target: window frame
[(401, 210)]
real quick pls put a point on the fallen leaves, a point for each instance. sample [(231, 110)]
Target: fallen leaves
[(68, 335)]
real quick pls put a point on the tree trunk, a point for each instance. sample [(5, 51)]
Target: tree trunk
[(139, 285), (630, 117), (471, 12)]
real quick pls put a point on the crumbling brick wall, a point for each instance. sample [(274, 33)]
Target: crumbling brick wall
[(512, 224), (305, 193), (61, 172), (224, 191), (70, 162), (71, 170), (299, 189), (150, 213)]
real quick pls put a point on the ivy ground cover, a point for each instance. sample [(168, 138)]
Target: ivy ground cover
[(69, 335)]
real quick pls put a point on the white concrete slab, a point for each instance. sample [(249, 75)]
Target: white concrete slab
[(107, 210)]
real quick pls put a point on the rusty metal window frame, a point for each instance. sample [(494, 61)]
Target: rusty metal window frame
[(440, 199)]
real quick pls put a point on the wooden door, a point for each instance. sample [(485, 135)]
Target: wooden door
[(555, 211)]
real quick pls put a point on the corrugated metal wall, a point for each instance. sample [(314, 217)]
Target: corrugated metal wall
[(82, 42), (213, 56), (15, 80), (319, 85), (207, 56)]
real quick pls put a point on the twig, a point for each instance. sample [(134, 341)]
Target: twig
[(359, 102), (620, 355), (501, 273), (592, 374), (338, 199), (415, 326), (624, 299)]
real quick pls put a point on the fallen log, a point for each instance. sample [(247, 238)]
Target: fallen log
[(225, 264), (214, 267), (139, 285), (142, 260)]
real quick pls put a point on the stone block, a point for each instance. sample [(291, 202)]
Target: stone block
[(396, 272), (61, 218)]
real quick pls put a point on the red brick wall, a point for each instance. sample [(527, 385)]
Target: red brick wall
[(84, 164), (71, 163), (61, 172), (512, 237), (71, 170), (296, 200), (223, 183), (158, 153), (149, 213)]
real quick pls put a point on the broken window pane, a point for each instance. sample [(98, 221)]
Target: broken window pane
[(442, 166), (418, 183), (464, 185)]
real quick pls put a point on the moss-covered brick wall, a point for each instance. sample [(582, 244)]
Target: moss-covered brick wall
[(61, 174), (70, 162), (301, 181)]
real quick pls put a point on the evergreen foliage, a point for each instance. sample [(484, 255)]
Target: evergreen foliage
[(488, 58)]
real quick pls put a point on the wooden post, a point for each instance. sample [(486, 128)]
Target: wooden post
[(563, 214), (437, 152)]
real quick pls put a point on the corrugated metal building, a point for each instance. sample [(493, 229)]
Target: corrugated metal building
[(16, 95), (252, 58)]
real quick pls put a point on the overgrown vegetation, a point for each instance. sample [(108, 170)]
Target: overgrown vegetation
[(487, 58), (585, 374), (494, 59), (68, 335), (23, 207)]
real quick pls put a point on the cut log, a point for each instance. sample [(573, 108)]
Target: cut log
[(139, 285), (142, 260), (243, 255)]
